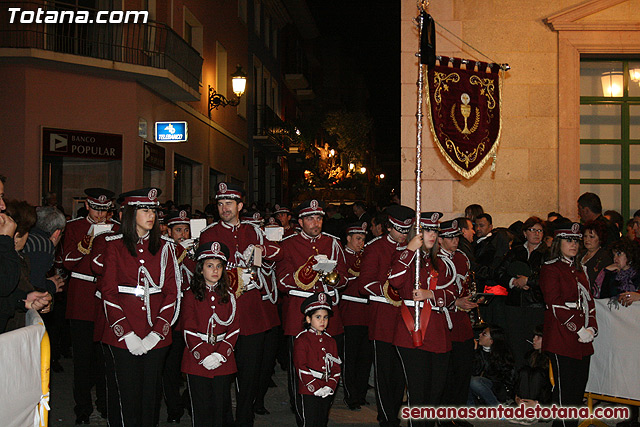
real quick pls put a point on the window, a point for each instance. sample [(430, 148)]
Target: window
[(222, 74), (610, 132), (192, 30)]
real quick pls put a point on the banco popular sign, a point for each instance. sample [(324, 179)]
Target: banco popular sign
[(171, 132), (75, 143)]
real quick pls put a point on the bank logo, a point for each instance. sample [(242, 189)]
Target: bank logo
[(58, 143), (171, 132)]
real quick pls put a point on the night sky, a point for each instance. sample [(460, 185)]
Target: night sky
[(369, 32)]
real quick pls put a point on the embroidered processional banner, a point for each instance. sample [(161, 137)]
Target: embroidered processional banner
[(464, 112)]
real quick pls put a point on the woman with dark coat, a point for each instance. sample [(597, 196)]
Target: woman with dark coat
[(519, 274), (595, 257)]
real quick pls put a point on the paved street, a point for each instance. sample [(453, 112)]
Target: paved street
[(276, 402)]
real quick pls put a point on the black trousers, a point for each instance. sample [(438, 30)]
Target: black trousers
[(172, 376), (114, 411), (248, 351), (389, 382), (315, 411), (210, 400), (520, 324), (459, 373), (571, 377), (356, 364), (268, 364), (88, 369), (426, 376), (139, 381)]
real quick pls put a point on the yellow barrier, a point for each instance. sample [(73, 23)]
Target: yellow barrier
[(45, 371), (594, 396)]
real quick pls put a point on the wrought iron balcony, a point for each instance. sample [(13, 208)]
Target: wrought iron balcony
[(274, 133), (150, 45)]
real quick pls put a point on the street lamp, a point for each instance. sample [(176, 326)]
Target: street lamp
[(239, 84)]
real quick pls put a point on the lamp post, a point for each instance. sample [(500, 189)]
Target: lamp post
[(239, 84)]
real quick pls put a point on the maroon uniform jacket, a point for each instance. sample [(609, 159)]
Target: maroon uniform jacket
[(97, 268), (569, 307), (187, 268), (354, 308), (141, 294), (402, 277), (453, 270), (251, 308), (316, 360), (297, 279), (373, 283), (76, 249), (204, 335)]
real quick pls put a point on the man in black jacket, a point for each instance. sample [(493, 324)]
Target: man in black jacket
[(590, 209)]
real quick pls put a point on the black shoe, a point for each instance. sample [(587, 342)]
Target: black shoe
[(363, 402), (352, 406), (56, 366), (173, 420), (82, 419), (462, 423), (261, 411)]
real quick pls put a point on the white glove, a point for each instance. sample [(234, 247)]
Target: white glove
[(585, 335), (324, 264), (212, 361), (150, 341), (246, 255), (246, 276), (323, 392), (134, 344)]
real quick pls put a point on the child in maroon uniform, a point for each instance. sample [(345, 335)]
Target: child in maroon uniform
[(316, 361), (210, 332)]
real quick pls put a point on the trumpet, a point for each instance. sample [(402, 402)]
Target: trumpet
[(332, 278), (190, 246)]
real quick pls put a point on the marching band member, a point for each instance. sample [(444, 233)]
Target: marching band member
[(569, 319), (141, 294), (81, 303), (179, 232), (424, 359), (358, 350), (316, 362), (384, 305), (453, 273), (283, 214), (210, 331), (243, 240), (313, 261)]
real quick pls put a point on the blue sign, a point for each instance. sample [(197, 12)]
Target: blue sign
[(171, 132)]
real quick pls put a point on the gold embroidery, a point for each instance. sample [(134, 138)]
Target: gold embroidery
[(466, 158), (465, 131), (385, 291), (440, 80), (487, 89), (306, 269), (354, 273), (240, 288), (84, 250)]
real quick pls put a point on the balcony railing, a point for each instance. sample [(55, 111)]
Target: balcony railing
[(276, 131), (151, 44)]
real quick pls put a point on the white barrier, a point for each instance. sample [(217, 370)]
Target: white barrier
[(21, 399), (615, 364)]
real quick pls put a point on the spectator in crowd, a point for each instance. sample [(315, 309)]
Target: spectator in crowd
[(630, 234), (489, 250), (594, 257), (552, 216), (24, 296), (473, 211), (519, 274), (377, 224), (493, 369), (51, 199), (466, 240), (636, 225), (9, 259), (41, 246), (621, 279), (590, 209), (533, 385), (615, 218)]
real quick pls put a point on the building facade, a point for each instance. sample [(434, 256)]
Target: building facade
[(564, 130)]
